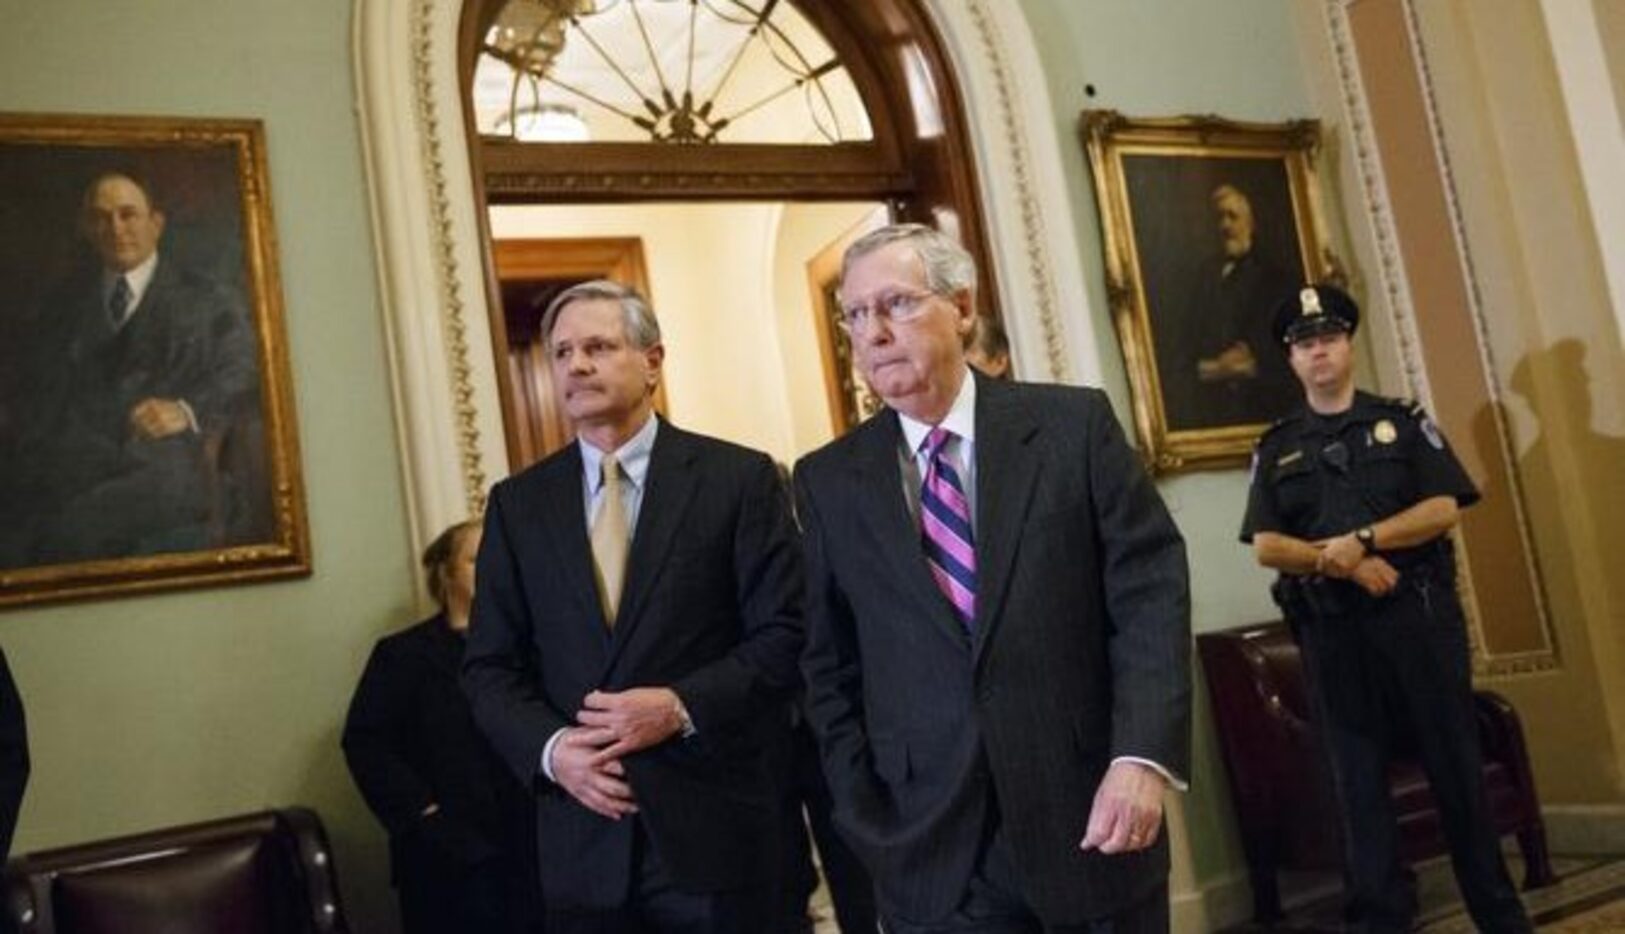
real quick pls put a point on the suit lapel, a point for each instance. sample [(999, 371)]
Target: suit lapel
[(565, 521), (670, 484), (879, 481), (1006, 470), (155, 304)]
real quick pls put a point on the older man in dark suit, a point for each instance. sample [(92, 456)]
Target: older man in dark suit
[(143, 365), (998, 626), (636, 625)]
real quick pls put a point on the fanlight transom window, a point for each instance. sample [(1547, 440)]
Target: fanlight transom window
[(686, 72)]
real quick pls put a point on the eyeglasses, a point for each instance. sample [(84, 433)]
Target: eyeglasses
[(896, 308)]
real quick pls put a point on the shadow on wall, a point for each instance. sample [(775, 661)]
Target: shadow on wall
[(1563, 432)]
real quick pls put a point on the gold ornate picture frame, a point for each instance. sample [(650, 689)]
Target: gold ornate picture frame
[(147, 436), (1207, 223)]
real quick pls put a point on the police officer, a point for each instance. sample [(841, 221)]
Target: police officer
[(1352, 500)]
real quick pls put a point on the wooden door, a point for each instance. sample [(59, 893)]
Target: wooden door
[(530, 274)]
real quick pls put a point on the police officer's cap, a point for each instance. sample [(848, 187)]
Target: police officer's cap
[(1312, 310)]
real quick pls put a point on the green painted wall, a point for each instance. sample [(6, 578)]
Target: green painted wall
[(166, 709), (1154, 58)]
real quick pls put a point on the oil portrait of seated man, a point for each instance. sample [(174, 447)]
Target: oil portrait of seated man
[(1219, 248), (130, 416)]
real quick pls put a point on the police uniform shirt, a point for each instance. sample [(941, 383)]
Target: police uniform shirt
[(1316, 476)]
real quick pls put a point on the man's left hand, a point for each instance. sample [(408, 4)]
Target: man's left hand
[(637, 718), (158, 418), (1127, 813)]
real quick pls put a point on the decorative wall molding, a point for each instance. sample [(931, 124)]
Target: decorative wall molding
[(429, 259), (1378, 209), (991, 45), (435, 142), (1403, 314), (1044, 293), (602, 185), (431, 272)]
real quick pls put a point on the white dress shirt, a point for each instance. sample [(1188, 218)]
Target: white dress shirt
[(137, 279)]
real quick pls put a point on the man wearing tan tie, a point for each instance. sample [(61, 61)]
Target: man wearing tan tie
[(636, 625)]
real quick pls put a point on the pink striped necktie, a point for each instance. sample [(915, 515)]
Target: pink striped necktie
[(945, 529)]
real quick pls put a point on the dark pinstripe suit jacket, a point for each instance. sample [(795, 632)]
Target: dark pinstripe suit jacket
[(1080, 653)]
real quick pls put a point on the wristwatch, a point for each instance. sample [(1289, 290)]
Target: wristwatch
[(1367, 537), (685, 723)]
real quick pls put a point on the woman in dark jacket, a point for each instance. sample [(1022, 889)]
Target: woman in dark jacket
[(459, 825)]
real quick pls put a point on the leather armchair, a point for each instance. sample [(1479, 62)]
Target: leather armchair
[(265, 873), (1278, 775)]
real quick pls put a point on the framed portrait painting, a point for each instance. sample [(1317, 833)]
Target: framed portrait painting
[(147, 434), (1207, 225)]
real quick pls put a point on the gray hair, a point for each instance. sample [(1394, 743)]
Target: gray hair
[(948, 266), (642, 330)]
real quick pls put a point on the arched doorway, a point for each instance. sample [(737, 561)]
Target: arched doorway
[(428, 226), (667, 107)]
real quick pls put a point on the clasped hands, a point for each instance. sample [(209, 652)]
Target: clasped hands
[(586, 760), (1343, 557), (152, 418), (1234, 362)]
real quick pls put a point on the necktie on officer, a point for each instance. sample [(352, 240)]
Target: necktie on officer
[(118, 302), (610, 539), (945, 529)]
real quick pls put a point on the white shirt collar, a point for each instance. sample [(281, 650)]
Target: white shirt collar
[(633, 456), (960, 420), (138, 279)]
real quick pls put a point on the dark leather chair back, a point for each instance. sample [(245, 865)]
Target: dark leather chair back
[(266, 873), (1279, 779)]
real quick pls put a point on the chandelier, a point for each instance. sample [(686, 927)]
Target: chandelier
[(683, 72)]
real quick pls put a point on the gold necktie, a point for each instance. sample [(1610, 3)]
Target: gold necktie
[(609, 540)]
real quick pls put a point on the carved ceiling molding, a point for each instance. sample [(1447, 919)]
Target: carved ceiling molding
[(636, 185)]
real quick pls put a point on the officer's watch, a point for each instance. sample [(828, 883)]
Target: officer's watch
[(685, 723), (1367, 537)]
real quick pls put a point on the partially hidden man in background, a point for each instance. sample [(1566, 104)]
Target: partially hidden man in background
[(998, 626), (637, 622), (460, 826), (142, 367), (1352, 500)]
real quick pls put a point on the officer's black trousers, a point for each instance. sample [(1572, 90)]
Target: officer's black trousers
[(1405, 659)]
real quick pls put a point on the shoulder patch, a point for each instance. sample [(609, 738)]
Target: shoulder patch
[(1273, 427), (1430, 430)]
